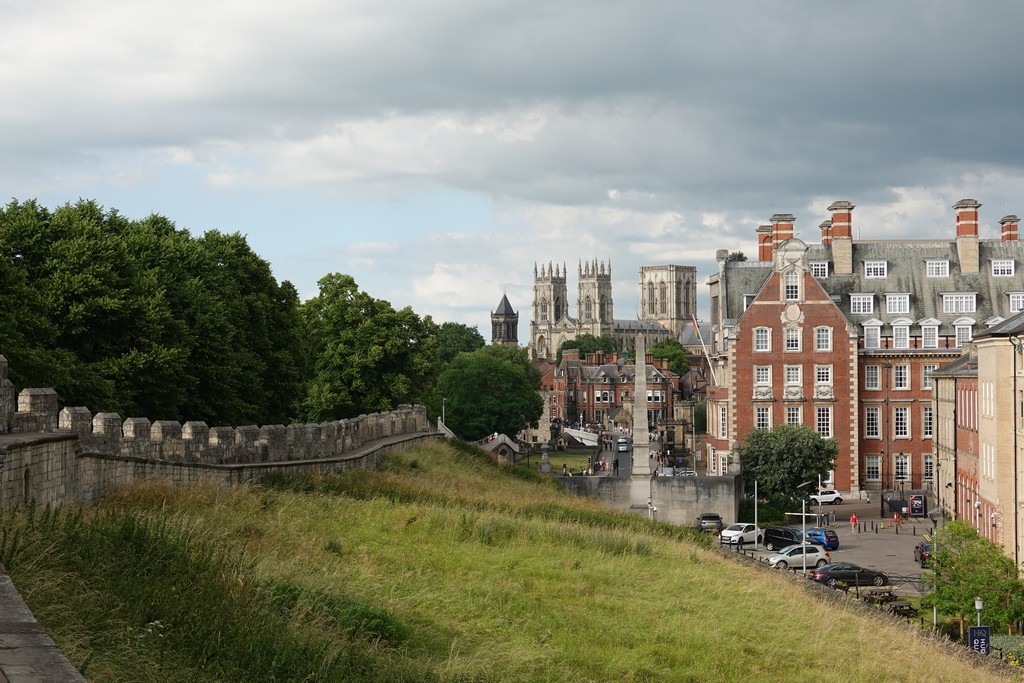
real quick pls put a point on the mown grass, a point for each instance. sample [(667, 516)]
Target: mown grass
[(440, 566)]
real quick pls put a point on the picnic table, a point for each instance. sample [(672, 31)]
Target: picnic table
[(902, 609), (880, 597)]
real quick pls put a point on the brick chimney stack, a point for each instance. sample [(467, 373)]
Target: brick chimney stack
[(842, 236), (826, 232), (967, 234), (764, 243), (1009, 224), (782, 229)]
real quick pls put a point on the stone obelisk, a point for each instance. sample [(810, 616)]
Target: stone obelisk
[(641, 437)]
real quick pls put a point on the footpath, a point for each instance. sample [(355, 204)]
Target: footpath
[(27, 653)]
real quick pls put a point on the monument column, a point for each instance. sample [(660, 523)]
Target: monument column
[(641, 437)]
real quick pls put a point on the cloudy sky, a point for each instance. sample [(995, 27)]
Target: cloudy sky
[(436, 150)]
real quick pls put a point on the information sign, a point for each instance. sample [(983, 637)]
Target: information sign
[(980, 639)]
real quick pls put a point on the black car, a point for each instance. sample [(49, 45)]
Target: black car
[(776, 537), (850, 574), (923, 553)]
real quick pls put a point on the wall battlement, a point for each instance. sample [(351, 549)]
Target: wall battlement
[(70, 455)]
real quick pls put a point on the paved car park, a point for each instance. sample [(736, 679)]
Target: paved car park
[(878, 544)]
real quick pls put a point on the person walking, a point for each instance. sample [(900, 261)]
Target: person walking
[(853, 522)]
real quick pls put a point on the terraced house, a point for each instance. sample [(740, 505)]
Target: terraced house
[(842, 336)]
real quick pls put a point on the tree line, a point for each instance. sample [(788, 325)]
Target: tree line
[(142, 318)]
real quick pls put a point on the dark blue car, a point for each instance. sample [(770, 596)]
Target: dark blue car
[(826, 538)]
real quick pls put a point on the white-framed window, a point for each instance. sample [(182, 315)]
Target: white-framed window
[(862, 304), (959, 303), (792, 288), (1002, 267), (1016, 302), (927, 424), (897, 303), (901, 422), (930, 336), (761, 418), (712, 459), (902, 468), (792, 338), (793, 415), (901, 377), (763, 375), (872, 337), (901, 336), (876, 269), (822, 338), (926, 378), (937, 268), (723, 432), (873, 468), (964, 334), (762, 339), (929, 466), (872, 422), (824, 421), (793, 373), (871, 377), (823, 374), (819, 268)]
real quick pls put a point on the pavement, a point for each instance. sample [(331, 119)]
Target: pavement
[(27, 653), (878, 544)]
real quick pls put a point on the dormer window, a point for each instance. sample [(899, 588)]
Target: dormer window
[(1016, 302), (819, 268), (876, 269), (862, 304), (897, 303), (937, 268), (959, 303), (1002, 267)]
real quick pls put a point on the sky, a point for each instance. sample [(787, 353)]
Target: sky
[(436, 151)]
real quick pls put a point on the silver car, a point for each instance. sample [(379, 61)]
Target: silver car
[(740, 532), (793, 556)]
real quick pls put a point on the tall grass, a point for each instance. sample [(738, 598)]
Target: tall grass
[(442, 565)]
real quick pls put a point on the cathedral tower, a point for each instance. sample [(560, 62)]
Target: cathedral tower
[(550, 311), (505, 324), (594, 305), (668, 295)]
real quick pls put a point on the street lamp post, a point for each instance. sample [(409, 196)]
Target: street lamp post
[(978, 605), (803, 523)]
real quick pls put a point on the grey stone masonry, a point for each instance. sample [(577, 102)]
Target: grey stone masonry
[(8, 399)]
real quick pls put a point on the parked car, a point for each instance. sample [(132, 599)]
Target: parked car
[(776, 537), (740, 532), (923, 553), (827, 497), (850, 574), (826, 538), (710, 521), (793, 556)]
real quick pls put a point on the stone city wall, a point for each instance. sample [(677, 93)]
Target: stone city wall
[(71, 455)]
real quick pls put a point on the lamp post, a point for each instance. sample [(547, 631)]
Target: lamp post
[(803, 523), (978, 604)]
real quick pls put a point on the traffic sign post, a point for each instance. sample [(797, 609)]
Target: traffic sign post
[(980, 638)]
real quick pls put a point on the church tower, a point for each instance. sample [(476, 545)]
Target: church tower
[(594, 305), (668, 295), (550, 310), (505, 324)]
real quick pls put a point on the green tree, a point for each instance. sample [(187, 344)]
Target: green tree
[(587, 343), (675, 353), (700, 416), (965, 566), (456, 338), (363, 355), (782, 458), (736, 256), (495, 388)]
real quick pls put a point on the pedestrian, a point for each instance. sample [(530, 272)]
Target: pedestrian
[(869, 499), (563, 469), (853, 522)]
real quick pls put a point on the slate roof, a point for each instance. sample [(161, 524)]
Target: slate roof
[(504, 307)]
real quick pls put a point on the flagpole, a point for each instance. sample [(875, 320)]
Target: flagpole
[(711, 366)]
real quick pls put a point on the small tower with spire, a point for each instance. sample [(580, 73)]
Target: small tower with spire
[(505, 324)]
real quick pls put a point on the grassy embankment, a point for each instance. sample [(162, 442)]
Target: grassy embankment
[(439, 567)]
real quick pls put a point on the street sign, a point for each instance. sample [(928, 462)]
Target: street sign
[(980, 639), (917, 505)]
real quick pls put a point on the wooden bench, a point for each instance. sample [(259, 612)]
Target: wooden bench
[(903, 609), (880, 597)]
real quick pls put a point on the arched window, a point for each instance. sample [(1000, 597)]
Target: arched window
[(792, 286), (588, 309), (662, 299), (544, 310), (650, 298)]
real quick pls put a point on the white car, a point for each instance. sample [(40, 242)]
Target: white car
[(827, 497), (734, 533), (793, 556)]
